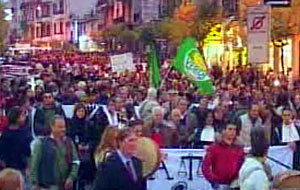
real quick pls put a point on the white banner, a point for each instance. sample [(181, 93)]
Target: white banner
[(258, 38), (122, 62), (181, 167)]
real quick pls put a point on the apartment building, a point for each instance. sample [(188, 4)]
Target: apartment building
[(45, 21)]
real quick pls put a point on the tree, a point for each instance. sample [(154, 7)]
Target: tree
[(3, 26), (117, 34), (285, 21), (191, 19)]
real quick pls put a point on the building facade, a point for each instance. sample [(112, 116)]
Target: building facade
[(48, 21)]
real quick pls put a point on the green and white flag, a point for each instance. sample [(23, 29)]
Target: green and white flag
[(190, 63)]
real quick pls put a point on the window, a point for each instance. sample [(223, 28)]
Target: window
[(55, 8), (61, 27), (37, 13), (31, 15), (43, 30), (58, 8), (61, 6), (38, 32), (48, 30), (55, 32), (32, 32), (58, 28), (46, 10)]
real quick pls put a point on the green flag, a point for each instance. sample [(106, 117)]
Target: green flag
[(190, 63), (153, 67)]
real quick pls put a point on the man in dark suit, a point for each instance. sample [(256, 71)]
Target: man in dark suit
[(288, 133), (121, 170)]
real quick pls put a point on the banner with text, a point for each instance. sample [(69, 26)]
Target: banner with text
[(179, 170), (122, 62)]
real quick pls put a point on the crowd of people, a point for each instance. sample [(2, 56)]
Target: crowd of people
[(111, 110)]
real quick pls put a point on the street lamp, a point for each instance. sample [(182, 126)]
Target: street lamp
[(280, 44)]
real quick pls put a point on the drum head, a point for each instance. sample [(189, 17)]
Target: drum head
[(288, 179), (149, 153)]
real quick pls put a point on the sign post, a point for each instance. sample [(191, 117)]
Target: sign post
[(258, 38)]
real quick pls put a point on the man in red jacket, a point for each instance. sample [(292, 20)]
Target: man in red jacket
[(3, 121), (223, 159)]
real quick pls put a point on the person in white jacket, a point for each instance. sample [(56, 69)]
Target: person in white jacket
[(253, 175)]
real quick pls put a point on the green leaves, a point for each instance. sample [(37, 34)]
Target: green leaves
[(3, 26)]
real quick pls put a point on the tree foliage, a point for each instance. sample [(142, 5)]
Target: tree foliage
[(191, 19), (3, 26), (285, 21), (120, 33)]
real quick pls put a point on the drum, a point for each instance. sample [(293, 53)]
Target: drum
[(149, 153), (287, 180)]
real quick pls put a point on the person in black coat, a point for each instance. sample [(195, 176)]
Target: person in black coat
[(78, 130), (99, 120), (15, 141), (121, 170), (288, 133)]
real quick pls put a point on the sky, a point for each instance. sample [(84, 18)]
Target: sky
[(81, 7)]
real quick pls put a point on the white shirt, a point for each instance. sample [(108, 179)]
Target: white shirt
[(112, 118), (252, 176), (289, 133), (208, 134)]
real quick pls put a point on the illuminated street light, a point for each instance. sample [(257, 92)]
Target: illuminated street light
[(8, 14)]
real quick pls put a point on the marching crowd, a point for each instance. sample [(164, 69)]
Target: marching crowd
[(111, 110)]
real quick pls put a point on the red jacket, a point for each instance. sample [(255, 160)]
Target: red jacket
[(222, 162), (3, 123)]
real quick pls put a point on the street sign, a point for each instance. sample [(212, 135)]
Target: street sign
[(278, 3), (258, 25)]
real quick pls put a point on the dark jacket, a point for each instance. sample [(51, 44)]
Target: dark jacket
[(78, 130), (64, 100), (276, 139), (113, 175), (98, 124), (15, 148), (41, 123)]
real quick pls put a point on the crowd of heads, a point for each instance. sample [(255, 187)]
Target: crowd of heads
[(72, 78)]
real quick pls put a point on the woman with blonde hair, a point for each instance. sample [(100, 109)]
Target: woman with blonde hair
[(11, 179), (108, 144)]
